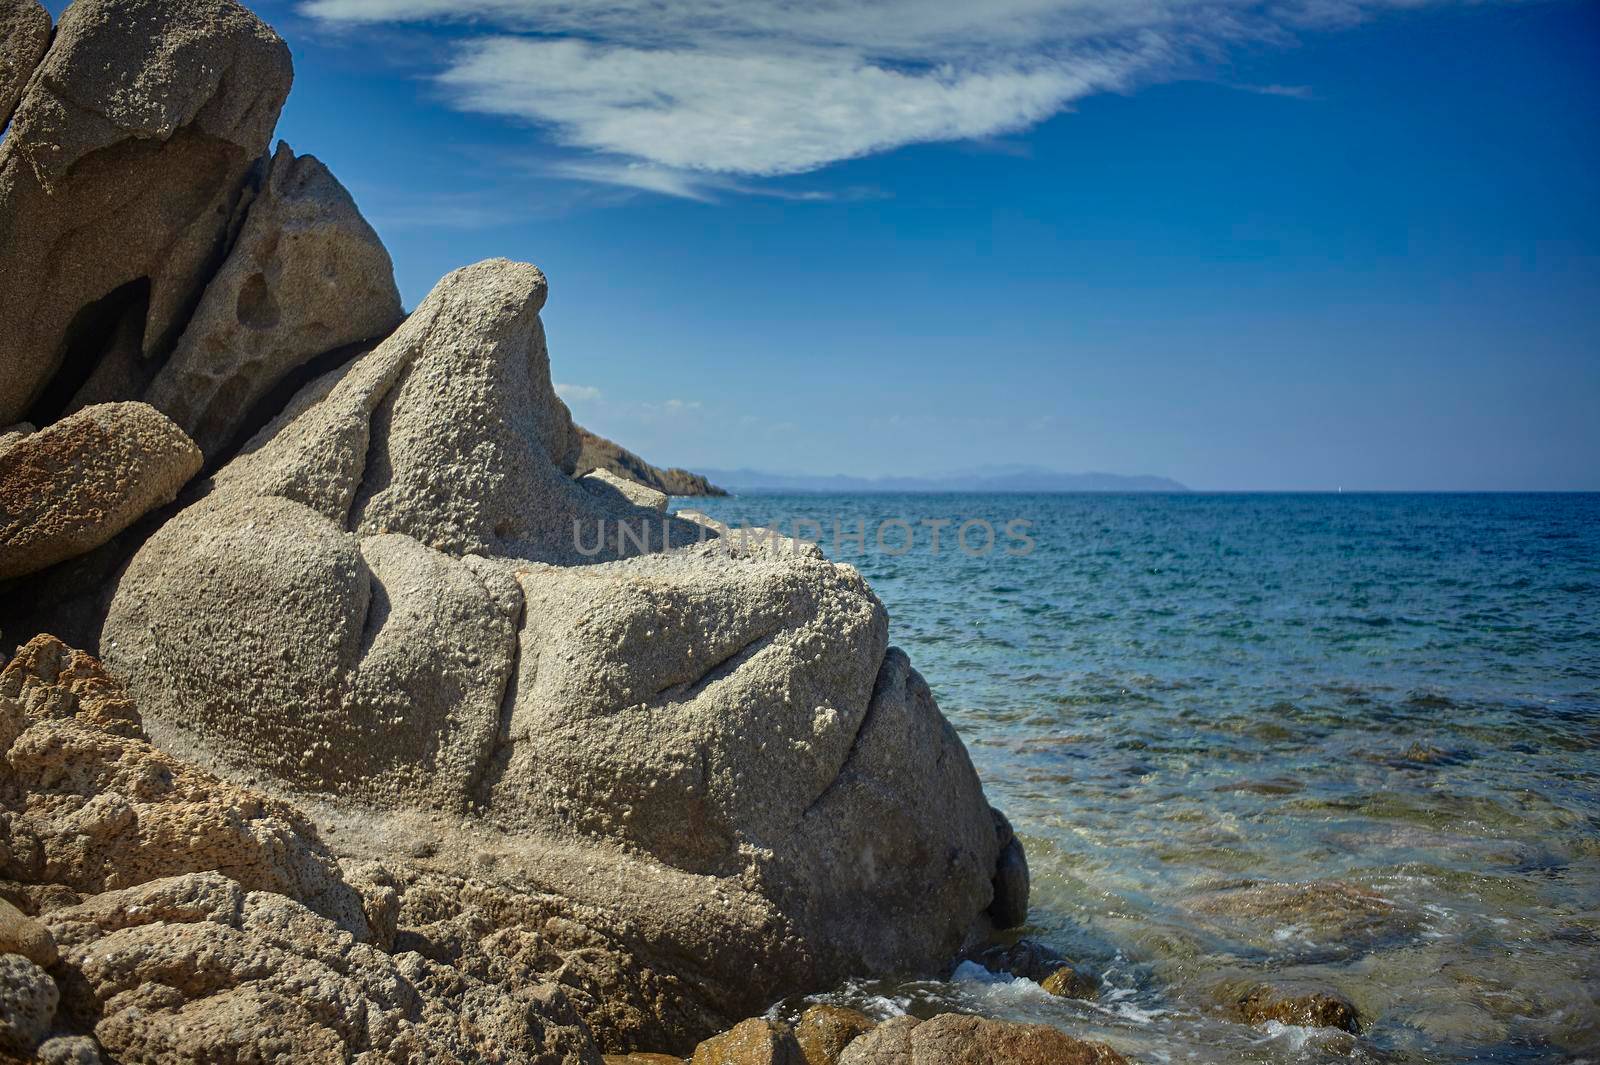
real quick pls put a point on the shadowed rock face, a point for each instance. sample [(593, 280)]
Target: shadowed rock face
[(24, 36), (306, 275), (378, 600), (120, 179)]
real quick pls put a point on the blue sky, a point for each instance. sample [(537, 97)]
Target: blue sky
[(1251, 244)]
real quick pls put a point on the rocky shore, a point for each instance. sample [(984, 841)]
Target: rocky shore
[(322, 739)]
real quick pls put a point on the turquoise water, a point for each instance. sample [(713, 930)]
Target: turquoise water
[(1392, 698)]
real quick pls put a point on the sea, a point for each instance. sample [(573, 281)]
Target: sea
[(1341, 741)]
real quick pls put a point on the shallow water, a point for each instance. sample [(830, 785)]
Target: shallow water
[(1175, 695)]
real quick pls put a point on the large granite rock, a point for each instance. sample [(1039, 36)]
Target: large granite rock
[(70, 488), (306, 275), (120, 179), (956, 1039), (381, 601), (24, 36)]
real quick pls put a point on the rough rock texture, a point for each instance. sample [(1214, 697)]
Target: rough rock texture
[(1011, 879), (21, 934), (87, 804), (606, 484), (1307, 1005), (28, 1000), (24, 36), (377, 601), (598, 453), (120, 177), (824, 1031), (1329, 918), (752, 1042), (70, 488), (954, 1039), (306, 275)]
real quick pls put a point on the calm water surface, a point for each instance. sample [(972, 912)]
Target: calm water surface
[(1395, 698)]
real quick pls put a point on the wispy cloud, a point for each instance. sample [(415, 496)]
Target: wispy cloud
[(577, 393), (695, 98)]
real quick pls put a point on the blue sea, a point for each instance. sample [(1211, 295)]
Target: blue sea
[(1390, 703)]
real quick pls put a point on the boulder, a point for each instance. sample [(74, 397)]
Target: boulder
[(1290, 1002), (823, 1032), (73, 486), (28, 1000), (389, 599), (753, 1042), (24, 36), (606, 484), (955, 1039), (21, 934), (306, 275), (1011, 880), (120, 178)]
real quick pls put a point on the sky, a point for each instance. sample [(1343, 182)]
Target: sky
[(1247, 244)]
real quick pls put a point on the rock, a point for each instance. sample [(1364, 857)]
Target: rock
[(606, 484), (24, 36), (28, 1000), (752, 1042), (195, 968), (1303, 1004), (121, 174), (69, 1050), (21, 934), (824, 1031), (379, 602), (73, 486), (1011, 880), (1314, 920), (598, 453), (86, 803), (1027, 958), (1067, 982), (954, 1039), (306, 275), (642, 1059)]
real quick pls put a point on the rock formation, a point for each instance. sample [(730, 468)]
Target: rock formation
[(418, 746), (24, 36), (307, 275), (120, 180), (598, 453)]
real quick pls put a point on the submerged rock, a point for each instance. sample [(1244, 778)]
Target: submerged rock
[(955, 1039), (70, 488), (306, 275), (1322, 918), (24, 36), (1307, 1005), (120, 177)]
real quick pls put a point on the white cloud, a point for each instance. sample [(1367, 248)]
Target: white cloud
[(688, 97), (577, 393)]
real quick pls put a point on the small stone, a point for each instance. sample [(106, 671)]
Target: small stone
[(69, 1050), (21, 934), (1067, 982), (1305, 1005), (824, 1031)]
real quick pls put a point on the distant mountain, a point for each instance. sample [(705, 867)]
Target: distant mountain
[(984, 479), (600, 453)]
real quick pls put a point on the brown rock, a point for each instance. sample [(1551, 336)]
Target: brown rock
[(1320, 918), (21, 934), (1067, 982), (70, 488), (1306, 1005), (642, 1059), (306, 275), (24, 36), (824, 1031), (120, 177), (955, 1039), (752, 1042)]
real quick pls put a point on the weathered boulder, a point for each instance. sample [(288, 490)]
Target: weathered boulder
[(24, 36), (1011, 879), (120, 179), (67, 489), (752, 1042), (306, 275), (21, 934), (28, 1000), (824, 1031), (86, 803), (389, 598), (955, 1039)]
